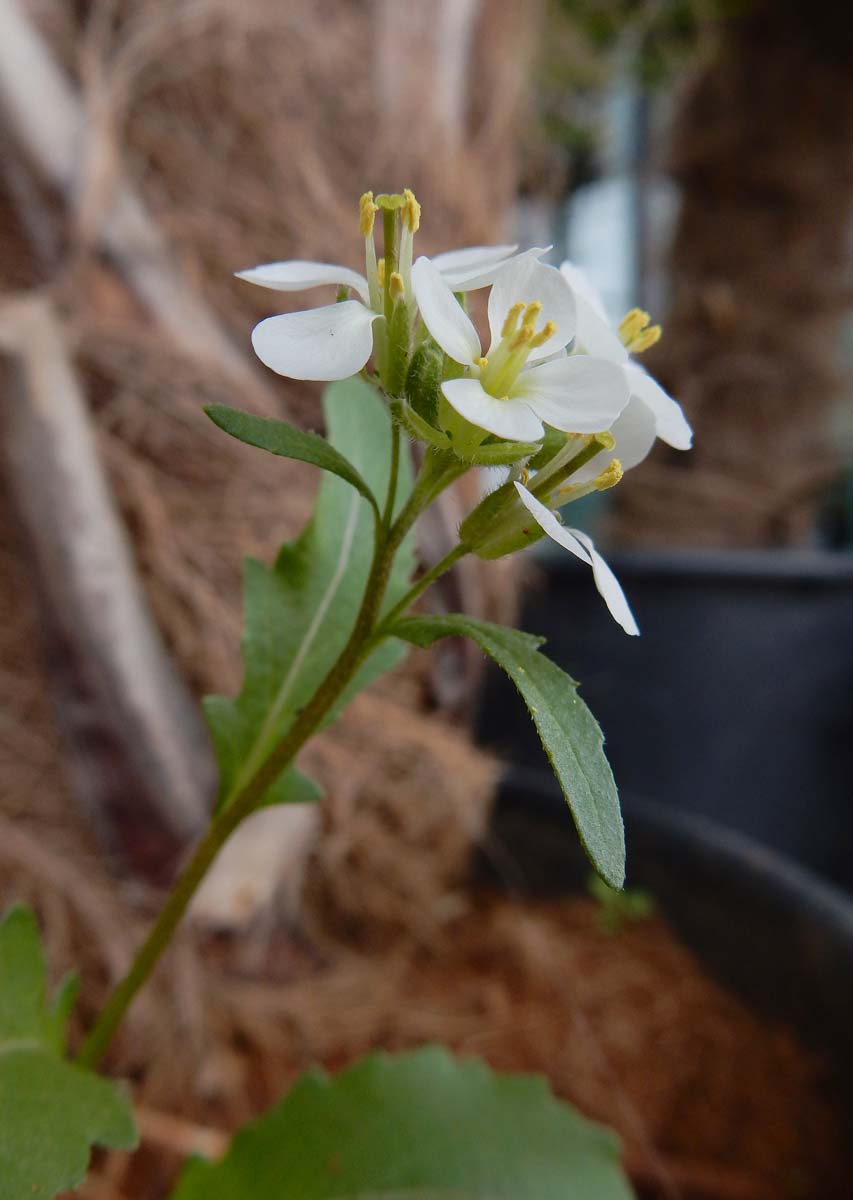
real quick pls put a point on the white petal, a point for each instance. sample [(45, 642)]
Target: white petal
[(443, 315), (634, 432), (526, 279), (455, 261), (295, 276), (671, 424), (608, 586), (510, 419), (582, 286), (594, 335), (577, 394), (468, 279), (581, 546), (332, 342)]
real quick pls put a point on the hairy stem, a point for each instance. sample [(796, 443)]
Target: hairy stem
[(433, 478)]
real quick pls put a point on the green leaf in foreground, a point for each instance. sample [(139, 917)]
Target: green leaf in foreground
[(280, 438), (51, 1112), (300, 612), (419, 1126), (570, 734)]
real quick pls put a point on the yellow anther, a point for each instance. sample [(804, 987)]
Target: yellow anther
[(523, 338), (380, 272), (395, 284), (632, 324), (511, 323), (531, 313), (411, 211), (644, 340), (367, 211), (610, 476), (605, 440), (482, 363), (545, 333)]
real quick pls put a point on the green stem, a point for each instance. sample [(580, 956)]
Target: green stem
[(393, 475), (250, 795), (417, 590)]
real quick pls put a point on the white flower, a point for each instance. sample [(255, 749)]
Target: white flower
[(521, 383), (581, 546), (336, 340), (650, 413)]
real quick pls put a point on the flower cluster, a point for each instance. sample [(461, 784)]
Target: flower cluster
[(556, 397)]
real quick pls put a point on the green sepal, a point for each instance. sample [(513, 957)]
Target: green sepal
[(502, 454), (569, 733), (418, 428), (423, 381)]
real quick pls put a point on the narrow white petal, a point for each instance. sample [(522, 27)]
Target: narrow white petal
[(510, 419), (608, 586), (634, 434), (468, 279), (295, 276), (577, 394), (443, 315), (525, 278), (332, 342), (453, 261), (581, 546), (583, 287), (671, 424)]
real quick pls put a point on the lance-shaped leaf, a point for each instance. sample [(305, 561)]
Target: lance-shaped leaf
[(51, 1112), (415, 1126), (570, 734), (288, 442), (300, 612)]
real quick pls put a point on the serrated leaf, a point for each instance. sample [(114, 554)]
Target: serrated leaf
[(417, 1125), (570, 735), (288, 442), (300, 612), (51, 1112)]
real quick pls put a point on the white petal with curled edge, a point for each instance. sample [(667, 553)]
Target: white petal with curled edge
[(671, 423), (577, 394), (442, 314), (297, 275), (328, 343), (510, 419), (634, 432), (581, 546), (526, 279), (455, 261)]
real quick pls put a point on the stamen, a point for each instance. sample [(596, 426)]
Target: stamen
[(531, 313), (511, 323), (649, 337), (395, 284), (522, 338), (545, 334), (367, 211), (610, 476), (380, 272), (632, 324), (482, 363), (411, 211)]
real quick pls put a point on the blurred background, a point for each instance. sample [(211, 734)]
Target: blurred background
[(693, 156)]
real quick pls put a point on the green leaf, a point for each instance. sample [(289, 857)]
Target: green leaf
[(570, 734), (288, 442), (51, 1112), (300, 612), (419, 1126)]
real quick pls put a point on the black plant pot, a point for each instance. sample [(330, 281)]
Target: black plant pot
[(766, 928), (736, 702)]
